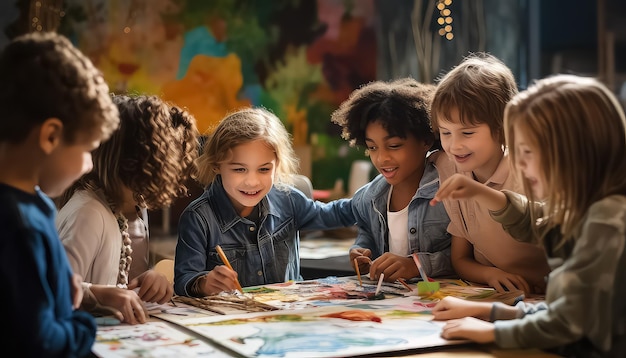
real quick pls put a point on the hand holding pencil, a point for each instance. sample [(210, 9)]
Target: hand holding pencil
[(221, 278), (227, 263)]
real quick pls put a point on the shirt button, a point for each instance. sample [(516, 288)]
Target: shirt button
[(251, 228), (413, 231), (260, 273)]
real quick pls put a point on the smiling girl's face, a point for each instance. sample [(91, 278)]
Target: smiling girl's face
[(248, 174)]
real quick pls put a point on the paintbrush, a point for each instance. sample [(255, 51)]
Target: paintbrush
[(358, 272)]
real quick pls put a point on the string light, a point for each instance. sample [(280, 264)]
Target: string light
[(45, 15), (445, 19)]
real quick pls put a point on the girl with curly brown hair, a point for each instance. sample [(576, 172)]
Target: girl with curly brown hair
[(143, 165)]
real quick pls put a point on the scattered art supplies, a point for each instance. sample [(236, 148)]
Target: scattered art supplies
[(273, 320), (461, 289)]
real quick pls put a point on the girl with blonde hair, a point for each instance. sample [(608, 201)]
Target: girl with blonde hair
[(248, 208)]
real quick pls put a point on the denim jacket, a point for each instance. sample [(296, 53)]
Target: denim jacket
[(260, 252), (427, 229)]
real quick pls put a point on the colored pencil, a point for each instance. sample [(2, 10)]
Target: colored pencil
[(227, 263)]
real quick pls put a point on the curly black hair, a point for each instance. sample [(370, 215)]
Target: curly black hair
[(402, 107)]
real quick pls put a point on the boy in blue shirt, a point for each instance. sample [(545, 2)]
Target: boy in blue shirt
[(56, 110)]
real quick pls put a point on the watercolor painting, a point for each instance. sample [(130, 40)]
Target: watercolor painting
[(322, 292), (152, 339), (321, 332)]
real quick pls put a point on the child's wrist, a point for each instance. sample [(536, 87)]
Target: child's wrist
[(198, 285)]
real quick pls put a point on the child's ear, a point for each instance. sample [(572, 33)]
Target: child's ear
[(50, 134)]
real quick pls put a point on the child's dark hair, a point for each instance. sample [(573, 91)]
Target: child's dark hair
[(401, 106), (152, 154), (44, 76)]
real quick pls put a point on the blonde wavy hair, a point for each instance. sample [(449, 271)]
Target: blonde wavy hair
[(244, 126), (152, 154), (577, 128)]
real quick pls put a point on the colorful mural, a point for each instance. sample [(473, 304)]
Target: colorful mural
[(298, 58)]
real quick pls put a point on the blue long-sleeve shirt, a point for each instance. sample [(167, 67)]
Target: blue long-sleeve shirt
[(36, 302)]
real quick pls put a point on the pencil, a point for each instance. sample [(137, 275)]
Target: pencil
[(227, 263), (358, 272)]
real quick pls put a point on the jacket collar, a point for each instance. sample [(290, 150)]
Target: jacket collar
[(429, 184)]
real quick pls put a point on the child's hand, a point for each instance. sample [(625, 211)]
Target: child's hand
[(469, 328), (393, 266), (452, 307), (363, 257), (504, 281), (153, 287), (458, 186), (124, 304), (220, 279), (76, 290)]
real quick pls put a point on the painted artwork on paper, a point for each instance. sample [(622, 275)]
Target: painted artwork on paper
[(321, 332), (151, 339), (322, 292)]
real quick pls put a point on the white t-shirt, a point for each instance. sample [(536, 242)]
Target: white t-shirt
[(398, 222)]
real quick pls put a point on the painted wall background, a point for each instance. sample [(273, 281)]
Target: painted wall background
[(298, 58)]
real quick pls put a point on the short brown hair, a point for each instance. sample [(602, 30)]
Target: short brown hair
[(44, 76), (479, 88)]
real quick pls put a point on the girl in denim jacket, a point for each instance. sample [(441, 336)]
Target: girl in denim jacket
[(392, 120), (248, 208)]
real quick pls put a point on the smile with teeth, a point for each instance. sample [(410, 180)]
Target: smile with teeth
[(250, 192)]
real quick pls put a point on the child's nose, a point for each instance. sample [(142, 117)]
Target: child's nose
[(252, 179)]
